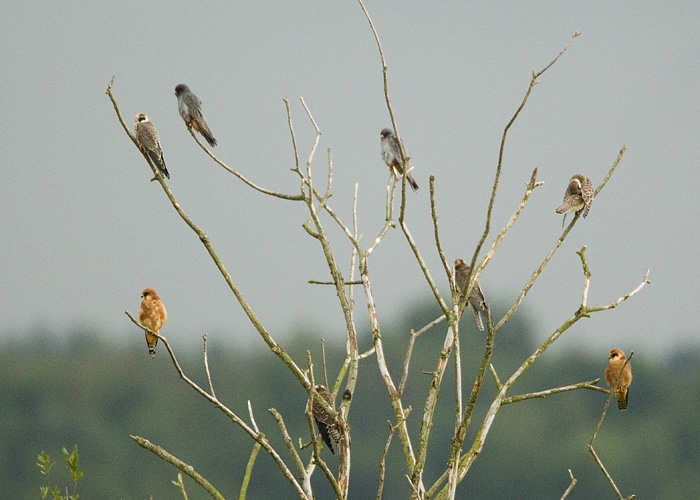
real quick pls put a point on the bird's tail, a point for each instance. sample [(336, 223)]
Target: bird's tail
[(412, 182), (586, 209), (151, 340), (565, 208), (477, 317), (159, 162), (203, 129), (622, 401), (164, 170), (326, 435)]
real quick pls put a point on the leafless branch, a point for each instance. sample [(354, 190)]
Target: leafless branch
[(382, 462), (176, 462), (571, 486), (256, 435), (543, 394), (206, 365)]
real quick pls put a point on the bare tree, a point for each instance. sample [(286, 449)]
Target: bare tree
[(296, 462)]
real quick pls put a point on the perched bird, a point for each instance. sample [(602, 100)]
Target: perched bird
[(326, 425), (392, 156), (147, 137), (190, 108), (578, 196), (612, 372), (476, 302), (153, 316)]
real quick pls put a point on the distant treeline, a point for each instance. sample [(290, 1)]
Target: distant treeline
[(95, 395)]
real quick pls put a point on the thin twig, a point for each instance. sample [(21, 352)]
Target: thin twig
[(180, 485), (571, 486), (495, 377), (543, 394), (206, 365), (247, 182), (433, 212), (406, 362), (612, 169), (382, 462), (291, 131), (252, 417)]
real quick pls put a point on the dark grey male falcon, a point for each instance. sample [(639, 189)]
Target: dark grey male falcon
[(190, 108), (392, 156), (147, 137)]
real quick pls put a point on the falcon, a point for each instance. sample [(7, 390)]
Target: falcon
[(476, 302), (578, 197), (392, 156), (326, 425), (152, 316), (147, 137), (612, 373), (190, 108)]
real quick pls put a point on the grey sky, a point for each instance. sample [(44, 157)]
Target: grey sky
[(83, 231)]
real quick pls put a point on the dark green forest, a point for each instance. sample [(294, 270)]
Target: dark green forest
[(94, 393)]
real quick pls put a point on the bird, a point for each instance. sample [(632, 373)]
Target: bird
[(392, 156), (476, 302), (152, 316), (612, 373), (326, 425), (190, 108), (578, 197), (147, 137)]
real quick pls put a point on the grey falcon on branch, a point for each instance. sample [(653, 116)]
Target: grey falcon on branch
[(392, 156), (190, 108)]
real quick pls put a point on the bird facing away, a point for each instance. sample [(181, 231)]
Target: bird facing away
[(153, 316), (392, 156), (147, 137), (476, 302), (190, 108), (578, 196), (326, 425), (612, 372)]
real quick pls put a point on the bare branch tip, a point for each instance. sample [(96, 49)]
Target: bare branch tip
[(109, 87)]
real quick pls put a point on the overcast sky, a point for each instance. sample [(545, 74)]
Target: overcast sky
[(83, 231)]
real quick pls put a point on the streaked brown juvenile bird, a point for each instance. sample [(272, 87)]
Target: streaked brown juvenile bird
[(392, 156), (326, 425), (147, 137), (190, 108), (476, 302), (612, 372), (578, 196), (153, 316)]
